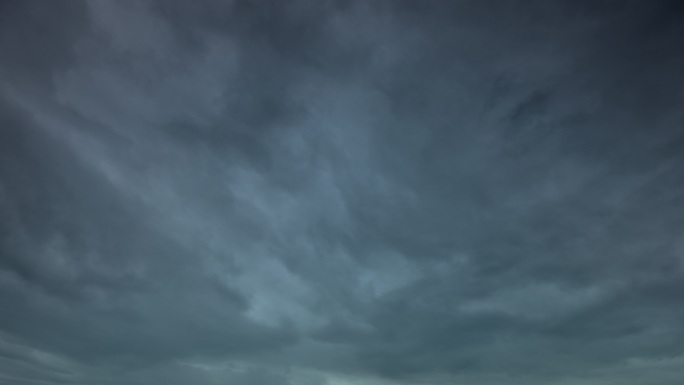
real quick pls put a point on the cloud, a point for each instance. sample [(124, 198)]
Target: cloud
[(340, 192)]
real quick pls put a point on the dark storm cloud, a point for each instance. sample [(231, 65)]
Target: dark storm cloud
[(345, 193)]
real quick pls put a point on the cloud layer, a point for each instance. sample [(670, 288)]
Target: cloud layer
[(335, 192)]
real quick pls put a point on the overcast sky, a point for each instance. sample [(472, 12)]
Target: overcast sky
[(323, 192)]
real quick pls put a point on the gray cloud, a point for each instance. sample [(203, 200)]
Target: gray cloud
[(341, 192)]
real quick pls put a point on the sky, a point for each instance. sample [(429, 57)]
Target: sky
[(326, 192)]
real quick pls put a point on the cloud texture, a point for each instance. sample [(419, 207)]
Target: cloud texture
[(341, 192)]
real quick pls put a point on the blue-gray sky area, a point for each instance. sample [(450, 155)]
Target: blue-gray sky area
[(325, 192)]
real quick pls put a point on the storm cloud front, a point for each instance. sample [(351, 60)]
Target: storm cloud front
[(322, 192)]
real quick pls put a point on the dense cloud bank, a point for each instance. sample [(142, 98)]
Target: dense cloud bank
[(342, 193)]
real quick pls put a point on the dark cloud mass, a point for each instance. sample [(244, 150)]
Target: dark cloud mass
[(341, 192)]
